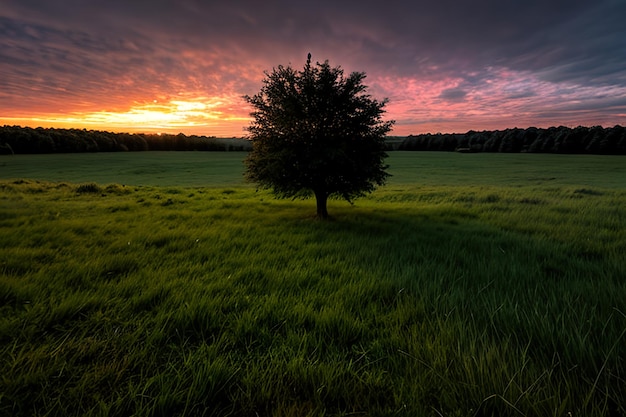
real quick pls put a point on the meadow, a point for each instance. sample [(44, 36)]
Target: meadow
[(160, 284)]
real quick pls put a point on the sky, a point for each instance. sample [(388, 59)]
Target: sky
[(445, 66)]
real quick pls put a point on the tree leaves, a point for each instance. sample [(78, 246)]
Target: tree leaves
[(317, 131)]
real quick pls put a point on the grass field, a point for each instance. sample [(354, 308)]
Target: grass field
[(225, 169), (471, 285)]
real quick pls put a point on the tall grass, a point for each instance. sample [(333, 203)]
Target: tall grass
[(448, 300)]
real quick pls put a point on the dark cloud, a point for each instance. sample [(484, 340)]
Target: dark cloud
[(560, 38), (453, 94)]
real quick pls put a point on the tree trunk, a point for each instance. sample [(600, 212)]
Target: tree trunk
[(321, 198)]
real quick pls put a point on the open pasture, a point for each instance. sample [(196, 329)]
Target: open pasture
[(471, 285), (223, 169)]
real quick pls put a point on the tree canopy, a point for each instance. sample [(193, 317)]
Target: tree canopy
[(317, 132)]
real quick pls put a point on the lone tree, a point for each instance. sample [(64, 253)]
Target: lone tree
[(316, 132)]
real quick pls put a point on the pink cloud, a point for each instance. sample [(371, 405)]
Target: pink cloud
[(501, 99)]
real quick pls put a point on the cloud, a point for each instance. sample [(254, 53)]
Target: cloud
[(446, 60), (453, 94)]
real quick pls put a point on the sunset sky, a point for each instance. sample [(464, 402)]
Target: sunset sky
[(184, 65)]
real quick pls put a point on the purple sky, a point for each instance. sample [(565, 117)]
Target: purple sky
[(183, 66)]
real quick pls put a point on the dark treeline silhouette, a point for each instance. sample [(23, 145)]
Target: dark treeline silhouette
[(579, 140), (26, 140)]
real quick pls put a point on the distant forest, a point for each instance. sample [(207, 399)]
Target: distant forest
[(26, 140), (579, 140)]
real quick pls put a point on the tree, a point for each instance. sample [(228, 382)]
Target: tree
[(316, 132)]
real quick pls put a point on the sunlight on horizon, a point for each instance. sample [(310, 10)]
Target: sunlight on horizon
[(504, 99), (202, 116)]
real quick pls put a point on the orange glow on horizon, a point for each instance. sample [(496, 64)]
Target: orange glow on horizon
[(506, 100), (202, 116)]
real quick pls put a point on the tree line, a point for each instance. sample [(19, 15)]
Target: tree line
[(579, 140), (26, 140)]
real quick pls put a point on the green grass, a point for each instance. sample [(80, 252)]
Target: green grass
[(197, 169), (481, 290), (136, 168)]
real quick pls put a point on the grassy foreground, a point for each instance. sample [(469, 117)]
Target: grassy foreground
[(439, 300)]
